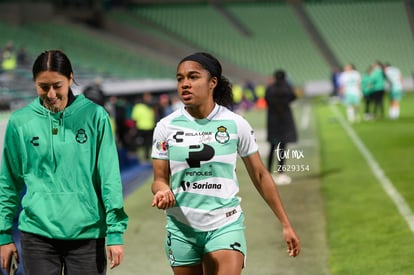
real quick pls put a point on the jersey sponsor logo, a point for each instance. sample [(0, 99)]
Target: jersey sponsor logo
[(206, 186), (35, 141), (199, 153), (222, 136), (205, 137), (197, 134), (81, 136), (185, 185), (231, 213), (199, 173), (177, 137)]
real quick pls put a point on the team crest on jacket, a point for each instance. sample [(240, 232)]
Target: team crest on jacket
[(221, 135), (81, 136)]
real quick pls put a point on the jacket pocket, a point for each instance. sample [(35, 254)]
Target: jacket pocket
[(62, 215)]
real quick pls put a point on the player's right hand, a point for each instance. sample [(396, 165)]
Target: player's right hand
[(163, 199)]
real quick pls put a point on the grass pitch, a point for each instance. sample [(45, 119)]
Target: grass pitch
[(366, 233)]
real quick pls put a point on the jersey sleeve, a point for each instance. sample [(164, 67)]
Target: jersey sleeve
[(247, 139), (160, 142)]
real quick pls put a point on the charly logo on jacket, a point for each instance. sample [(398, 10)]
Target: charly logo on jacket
[(35, 141), (222, 136), (81, 136)]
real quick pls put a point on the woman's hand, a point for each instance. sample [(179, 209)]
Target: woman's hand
[(292, 241), (163, 199), (115, 255), (6, 252)]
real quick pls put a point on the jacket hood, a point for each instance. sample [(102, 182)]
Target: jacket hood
[(74, 103), (57, 119)]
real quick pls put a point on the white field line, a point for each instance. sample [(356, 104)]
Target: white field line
[(385, 182)]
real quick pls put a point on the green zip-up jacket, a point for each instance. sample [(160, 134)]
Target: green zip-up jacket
[(69, 164), (377, 80)]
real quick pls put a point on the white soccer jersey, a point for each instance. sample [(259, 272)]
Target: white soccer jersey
[(351, 80), (394, 76), (202, 154)]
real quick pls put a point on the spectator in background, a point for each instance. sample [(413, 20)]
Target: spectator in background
[(61, 150), (281, 128), (350, 89), (94, 92), (143, 114), (249, 90), (9, 59), (377, 83), (22, 59), (116, 109), (335, 74), (164, 107), (238, 99), (248, 96), (394, 78)]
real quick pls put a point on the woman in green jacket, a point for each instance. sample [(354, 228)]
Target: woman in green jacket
[(377, 83), (61, 150)]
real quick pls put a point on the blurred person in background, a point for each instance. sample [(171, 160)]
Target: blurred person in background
[(249, 94), (377, 82), (367, 93), (281, 128), (9, 60), (93, 91), (60, 150), (22, 58), (195, 150), (143, 113), (164, 107), (350, 88), (394, 78), (335, 74)]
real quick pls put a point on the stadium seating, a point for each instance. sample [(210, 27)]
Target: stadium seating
[(277, 40), (87, 52), (356, 31), (362, 32)]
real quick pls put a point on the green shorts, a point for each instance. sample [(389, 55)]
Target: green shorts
[(396, 95), (352, 99), (186, 246)]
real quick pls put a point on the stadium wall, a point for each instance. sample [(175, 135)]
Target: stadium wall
[(20, 13)]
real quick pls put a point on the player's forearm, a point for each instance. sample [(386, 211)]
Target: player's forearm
[(275, 203), (159, 185)]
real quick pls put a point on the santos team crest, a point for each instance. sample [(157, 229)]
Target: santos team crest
[(81, 136), (222, 136)]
